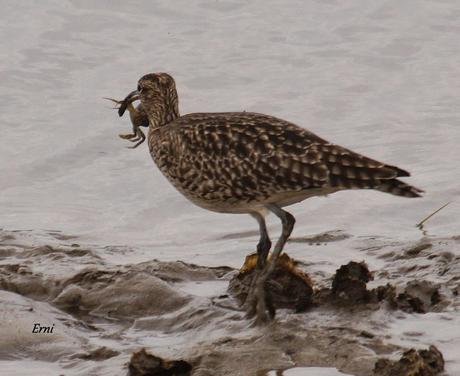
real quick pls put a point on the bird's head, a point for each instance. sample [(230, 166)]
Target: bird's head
[(158, 95)]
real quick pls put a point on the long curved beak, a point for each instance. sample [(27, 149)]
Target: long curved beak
[(131, 97)]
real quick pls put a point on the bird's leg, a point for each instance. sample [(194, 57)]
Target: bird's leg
[(263, 247), (288, 222)]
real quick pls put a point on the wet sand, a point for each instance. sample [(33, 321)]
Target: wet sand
[(102, 312)]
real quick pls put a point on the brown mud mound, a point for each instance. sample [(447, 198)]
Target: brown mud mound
[(144, 364), (22, 280), (412, 363), (287, 286), (128, 291), (118, 294)]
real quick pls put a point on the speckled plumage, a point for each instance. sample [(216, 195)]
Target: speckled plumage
[(234, 162), (243, 162)]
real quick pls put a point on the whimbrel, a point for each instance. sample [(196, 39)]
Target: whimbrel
[(243, 162), (138, 119)]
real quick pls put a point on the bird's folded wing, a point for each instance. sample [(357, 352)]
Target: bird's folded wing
[(262, 155)]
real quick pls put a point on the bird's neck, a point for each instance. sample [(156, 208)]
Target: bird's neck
[(163, 110)]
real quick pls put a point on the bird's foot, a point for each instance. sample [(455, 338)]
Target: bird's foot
[(259, 303)]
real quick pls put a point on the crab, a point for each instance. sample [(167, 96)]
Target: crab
[(138, 119)]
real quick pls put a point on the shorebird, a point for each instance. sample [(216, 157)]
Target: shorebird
[(244, 162), (138, 119)]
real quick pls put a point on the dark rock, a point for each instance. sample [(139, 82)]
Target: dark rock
[(412, 363), (433, 358), (144, 364), (349, 282)]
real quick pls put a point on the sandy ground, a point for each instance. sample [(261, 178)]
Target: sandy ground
[(103, 312)]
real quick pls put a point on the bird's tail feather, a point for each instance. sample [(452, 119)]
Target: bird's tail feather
[(398, 188)]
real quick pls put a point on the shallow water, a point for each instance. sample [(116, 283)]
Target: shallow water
[(379, 78)]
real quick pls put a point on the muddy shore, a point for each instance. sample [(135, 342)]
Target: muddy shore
[(101, 313)]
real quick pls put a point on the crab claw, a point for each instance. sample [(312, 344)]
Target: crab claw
[(131, 97)]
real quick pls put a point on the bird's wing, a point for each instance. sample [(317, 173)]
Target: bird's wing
[(248, 154), (348, 170)]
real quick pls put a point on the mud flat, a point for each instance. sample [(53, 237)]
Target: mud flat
[(356, 321)]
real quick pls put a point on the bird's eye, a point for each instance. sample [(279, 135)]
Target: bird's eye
[(139, 88)]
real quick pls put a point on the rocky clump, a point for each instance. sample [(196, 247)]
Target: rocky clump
[(412, 363), (417, 296), (349, 287), (288, 287), (350, 281), (144, 364)]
